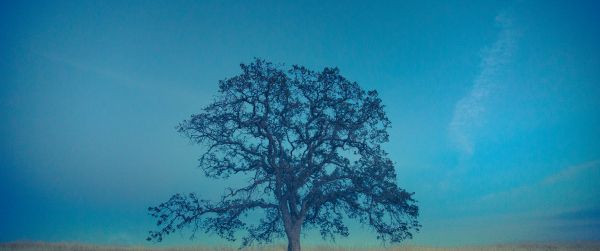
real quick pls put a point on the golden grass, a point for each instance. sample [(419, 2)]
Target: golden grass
[(39, 246)]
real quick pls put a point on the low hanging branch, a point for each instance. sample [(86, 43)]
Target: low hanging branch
[(310, 141)]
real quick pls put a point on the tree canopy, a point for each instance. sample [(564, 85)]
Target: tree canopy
[(310, 142)]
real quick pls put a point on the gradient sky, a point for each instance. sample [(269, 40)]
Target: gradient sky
[(495, 108)]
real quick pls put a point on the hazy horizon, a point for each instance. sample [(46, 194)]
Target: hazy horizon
[(495, 109)]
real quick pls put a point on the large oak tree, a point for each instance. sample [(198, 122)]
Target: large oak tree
[(310, 144)]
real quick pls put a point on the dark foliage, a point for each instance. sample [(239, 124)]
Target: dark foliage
[(310, 141)]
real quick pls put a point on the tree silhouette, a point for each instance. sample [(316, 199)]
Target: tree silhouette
[(310, 144)]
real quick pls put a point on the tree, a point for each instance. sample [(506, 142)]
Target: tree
[(310, 142)]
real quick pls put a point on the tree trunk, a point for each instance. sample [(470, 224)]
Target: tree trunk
[(294, 238)]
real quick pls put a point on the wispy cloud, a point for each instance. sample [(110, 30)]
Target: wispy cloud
[(88, 67), (469, 109), (571, 172), (119, 78)]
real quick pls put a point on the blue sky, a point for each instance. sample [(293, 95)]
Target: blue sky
[(494, 108)]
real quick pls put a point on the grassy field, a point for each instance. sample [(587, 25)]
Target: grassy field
[(39, 246)]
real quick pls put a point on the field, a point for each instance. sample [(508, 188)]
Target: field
[(39, 246)]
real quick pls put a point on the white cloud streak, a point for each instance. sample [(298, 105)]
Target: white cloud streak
[(117, 78), (468, 110), (88, 68), (571, 172)]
